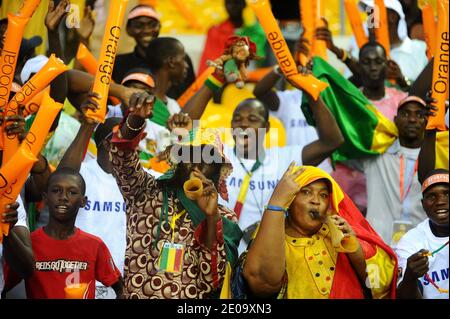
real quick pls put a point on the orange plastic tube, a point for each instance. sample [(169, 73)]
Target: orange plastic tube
[(356, 23), (182, 100), (382, 32), (8, 62), (440, 68), (33, 106), (308, 22), (107, 57), (429, 28), (76, 291), (320, 46), (89, 63), (281, 51), (28, 8), (12, 178), (44, 119), (187, 14)]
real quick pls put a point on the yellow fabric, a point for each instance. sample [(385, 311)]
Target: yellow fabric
[(312, 174), (310, 265), (225, 292), (442, 150), (380, 272), (385, 133)]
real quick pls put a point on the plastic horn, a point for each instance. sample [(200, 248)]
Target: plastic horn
[(281, 51), (12, 178), (429, 28), (42, 123), (382, 31), (107, 57), (76, 291), (356, 23), (440, 68), (28, 8), (187, 14), (33, 106), (89, 63), (190, 92), (193, 188), (9, 55), (8, 62), (308, 23), (342, 243)]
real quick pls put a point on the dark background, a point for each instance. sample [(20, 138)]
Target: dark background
[(286, 9)]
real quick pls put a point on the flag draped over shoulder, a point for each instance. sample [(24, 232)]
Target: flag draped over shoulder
[(366, 131)]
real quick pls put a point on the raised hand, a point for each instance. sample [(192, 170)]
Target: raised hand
[(180, 125), (55, 14), (141, 105), (208, 201), (10, 214), (90, 104), (87, 24), (324, 34), (342, 224), (287, 188), (417, 265), (15, 125)]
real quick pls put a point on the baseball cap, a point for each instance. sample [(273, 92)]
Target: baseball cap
[(32, 66), (437, 176), (412, 98), (143, 11)]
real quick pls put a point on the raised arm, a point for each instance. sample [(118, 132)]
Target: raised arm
[(422, 85), (264, 90), (75, 153), (265, 266), (330, 136)]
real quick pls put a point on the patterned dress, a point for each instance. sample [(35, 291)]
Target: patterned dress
[(203, 269)]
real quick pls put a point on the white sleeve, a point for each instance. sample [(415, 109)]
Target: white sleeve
[(289, 100), (291, 153), (404, 249), (21, 214)]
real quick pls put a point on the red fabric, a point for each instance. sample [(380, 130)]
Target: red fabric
[(85, 250), (215, 43), (345, 283)]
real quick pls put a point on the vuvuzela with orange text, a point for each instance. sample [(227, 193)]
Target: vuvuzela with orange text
[(107, 57), (309, 83), (440, 68), (354, 17)]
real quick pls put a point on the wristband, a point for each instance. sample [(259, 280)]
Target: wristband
[(276, 209), (214, 83)]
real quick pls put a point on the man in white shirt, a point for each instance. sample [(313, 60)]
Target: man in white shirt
[(258, 167), (423, 251), (393, 188), (409, 54), (16, 247)]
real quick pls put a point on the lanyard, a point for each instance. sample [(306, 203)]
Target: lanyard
[(403, 194), (244, 188), (173, 221)]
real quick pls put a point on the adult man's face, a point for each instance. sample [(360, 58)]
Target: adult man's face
[(143, 30), (373, 66), (178, 66), (411, 121), (435, 204)]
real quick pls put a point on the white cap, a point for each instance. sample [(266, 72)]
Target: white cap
[(33, 65), (393, 5)]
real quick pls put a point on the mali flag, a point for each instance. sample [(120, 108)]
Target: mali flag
[(366, 131)]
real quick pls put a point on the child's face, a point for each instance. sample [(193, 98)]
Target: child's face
[(64, 197), (309, 208)]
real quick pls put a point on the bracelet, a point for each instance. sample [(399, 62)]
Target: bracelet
[(134, 129), (276, 209)]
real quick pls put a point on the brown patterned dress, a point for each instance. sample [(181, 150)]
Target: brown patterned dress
[(203, 269)]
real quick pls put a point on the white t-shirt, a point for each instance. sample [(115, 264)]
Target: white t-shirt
[(158, 137), (298, 131), (104, 214), (22, 221), (421, 237), (262, 183)]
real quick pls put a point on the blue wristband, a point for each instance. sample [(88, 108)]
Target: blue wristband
[(276, 209)]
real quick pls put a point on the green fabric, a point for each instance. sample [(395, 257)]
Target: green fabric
[(349, 107), (160, 113), (256, 33)]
